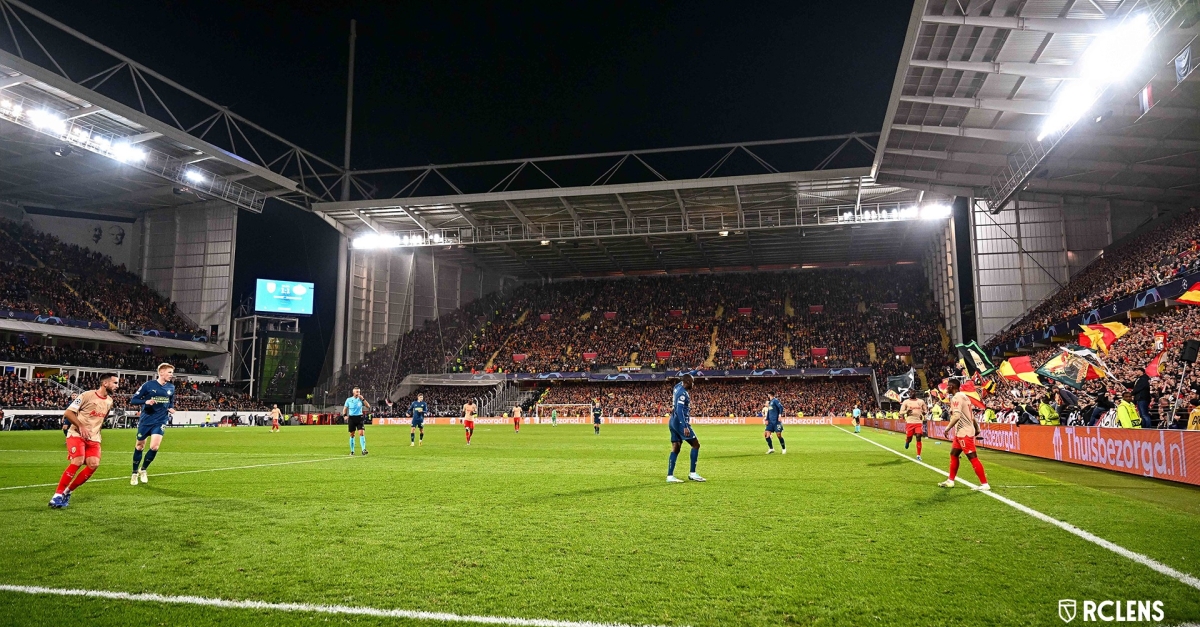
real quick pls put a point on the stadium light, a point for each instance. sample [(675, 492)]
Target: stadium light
[(194, 176), (126, 153), (723, 233), (371, 241), (545, 242), (1110, 58), (45, 121), (935, 212)]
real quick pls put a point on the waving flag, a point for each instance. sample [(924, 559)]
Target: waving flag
[(975, 360), (1153, 368), (1073, 366), (1101, 336), (1019, 369), (966, 387), (1191, 296)]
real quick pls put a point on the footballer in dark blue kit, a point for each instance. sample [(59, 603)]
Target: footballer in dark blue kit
[(417, 410), (157, 400), (597, 412), (681, 428), (773, 419)]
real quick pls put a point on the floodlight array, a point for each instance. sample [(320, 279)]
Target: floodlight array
[(80, 134)]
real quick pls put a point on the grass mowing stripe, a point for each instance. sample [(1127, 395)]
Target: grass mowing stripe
[(1148, 562), (180, 472), (445, 617)]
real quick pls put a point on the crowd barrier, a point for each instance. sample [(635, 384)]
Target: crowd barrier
[(625, 420), (1171, 454)]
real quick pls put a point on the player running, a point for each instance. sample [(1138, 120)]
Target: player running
[(352, 409), (773, 413), (516, 416), (597, 412), (86, 415), (157, 398), (962, 422), (275, 416), (469, 411), (857, 418), (681, 428), (913, 412), (417, 409)]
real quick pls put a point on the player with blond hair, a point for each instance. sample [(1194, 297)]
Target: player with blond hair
[(157, 399)]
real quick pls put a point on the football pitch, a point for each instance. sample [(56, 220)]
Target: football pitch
[(561, 525)]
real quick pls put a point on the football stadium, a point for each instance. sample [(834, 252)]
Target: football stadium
[(521, 383)]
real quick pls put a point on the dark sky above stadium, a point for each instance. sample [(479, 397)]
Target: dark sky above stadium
[(446, 81)]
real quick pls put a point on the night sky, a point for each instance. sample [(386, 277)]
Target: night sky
[(446, 82)]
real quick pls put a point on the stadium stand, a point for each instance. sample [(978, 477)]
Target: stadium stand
[(1143, 261), (716, 397)]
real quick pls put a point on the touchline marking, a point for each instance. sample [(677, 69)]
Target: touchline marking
[(445, 617), (1148, 562), (181, 472)]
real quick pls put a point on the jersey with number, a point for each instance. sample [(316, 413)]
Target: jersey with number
[(90, 409), (163, 395), (681, 405)]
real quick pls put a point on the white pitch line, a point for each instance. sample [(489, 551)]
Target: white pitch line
[(180, 472), (1146, 561), (306, 607)]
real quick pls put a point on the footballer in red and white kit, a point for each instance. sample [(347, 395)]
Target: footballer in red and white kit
[(913, 411), (86, 415), (469, 411), (516, 415), (962, 429)]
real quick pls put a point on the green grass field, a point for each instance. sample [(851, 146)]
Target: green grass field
[(556, 523)]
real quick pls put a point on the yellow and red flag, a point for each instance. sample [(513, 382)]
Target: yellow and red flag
[(1019, 369), (966, 387), (1101, 336), (1191, 296), (1155, 365)]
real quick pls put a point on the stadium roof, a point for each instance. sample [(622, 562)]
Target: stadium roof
[(972, 92)]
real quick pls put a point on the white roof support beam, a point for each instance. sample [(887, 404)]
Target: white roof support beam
[(611, 259), (1054, 185), (973, 133), (1089, 165), (980, 158), (9, 81), (1038, 24), (466, 215), (570, 208), (375, 226), (741, 215), (512, 253), (625, 208), (82, 111), (412, 215), (1035, 70), (1032, 107), (518, 213), (682, 208)]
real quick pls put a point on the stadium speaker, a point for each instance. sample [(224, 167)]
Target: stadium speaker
[(1190, 348)]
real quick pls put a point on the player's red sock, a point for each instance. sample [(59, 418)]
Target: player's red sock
[(918, 448), (83, 476), (953, 467), (978, 466), (65, 480)]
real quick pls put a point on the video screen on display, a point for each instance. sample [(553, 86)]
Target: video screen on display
[(287, 297), (280, 361)]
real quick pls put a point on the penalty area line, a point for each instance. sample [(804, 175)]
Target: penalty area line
[(180, 472), (1144, 560), (351, 610)]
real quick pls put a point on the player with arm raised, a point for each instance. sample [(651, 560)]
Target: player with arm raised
[(597, 414), (681, 428), (962, 430), (913, 412), (157, 398), (352, 409), (774, 423), (417, 409), (86, 415), (469, 410)]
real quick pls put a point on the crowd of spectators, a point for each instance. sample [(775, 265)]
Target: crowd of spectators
[(16, 393), (717, 397), (19, 349), (443, 400), (1142, 262), (68, 280)]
